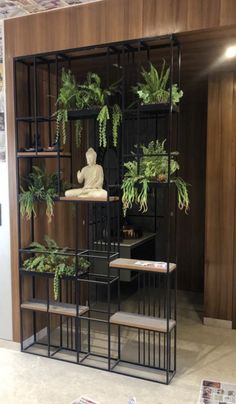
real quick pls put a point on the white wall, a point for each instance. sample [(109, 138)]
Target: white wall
[(5, 267)]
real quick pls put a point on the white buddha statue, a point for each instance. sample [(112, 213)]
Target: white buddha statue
[(92, 175)]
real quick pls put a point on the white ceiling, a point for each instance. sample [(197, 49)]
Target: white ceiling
[(14, 8)]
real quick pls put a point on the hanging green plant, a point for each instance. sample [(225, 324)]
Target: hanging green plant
[(41, 187), (78, 133), (154, 88), (88, 95), (102, 118), (116, 122), (153, 166), (49, 257)]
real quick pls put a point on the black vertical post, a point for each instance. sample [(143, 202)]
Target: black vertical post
[(48, 316), (18, 203), (49, 106), (169, 215), (29, 104), (59, 142), (35, 106)]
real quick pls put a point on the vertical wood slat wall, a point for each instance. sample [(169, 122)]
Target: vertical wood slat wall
[(90, 24), (220, 197)]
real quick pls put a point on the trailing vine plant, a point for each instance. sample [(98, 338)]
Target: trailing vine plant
[(153, 166), (116, 122), (50, 258), (154, 88), (88, 95)]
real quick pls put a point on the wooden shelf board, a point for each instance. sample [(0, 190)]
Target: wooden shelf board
[(141, 321), (35, 304), (43, 154), (67, 309), (86, 199), (64, 309), (141, 265)]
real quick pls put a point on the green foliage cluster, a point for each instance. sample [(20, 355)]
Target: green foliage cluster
[(47, 259), (88, 95), (41, 187), (153, 166), (154, 89)]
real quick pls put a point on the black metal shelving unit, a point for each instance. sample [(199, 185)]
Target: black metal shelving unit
[(139, 334)]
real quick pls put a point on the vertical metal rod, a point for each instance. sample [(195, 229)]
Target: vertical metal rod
[(29, 104), (59, 142), (138, 116), (159, 315), (108, 229), (77, 284), (48, 317), (35, 106), (89, 322), (139, 311), (122, 147), (18, 204), (21, 313), (169, 210), (34, 318), (149, 313), (144, 310), (61, 333), (49, 106), (109, 325), (119, 328), (154, 313)]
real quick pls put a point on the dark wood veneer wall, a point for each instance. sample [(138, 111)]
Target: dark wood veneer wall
[(95, 23), (220, 198)]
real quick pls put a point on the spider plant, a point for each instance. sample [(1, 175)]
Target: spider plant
[(154, 88), (41, 187), (50, 258), (89, 94), (153, 166)]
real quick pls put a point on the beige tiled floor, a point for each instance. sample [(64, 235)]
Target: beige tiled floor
[(203, 352)]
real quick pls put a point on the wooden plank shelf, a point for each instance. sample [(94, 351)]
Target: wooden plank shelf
[(35, 304), (141, 265), (43, 154), (67, 309), (141, 321), (64, 309), (86, 199)]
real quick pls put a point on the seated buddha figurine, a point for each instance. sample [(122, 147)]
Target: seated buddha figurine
[(92, 175)]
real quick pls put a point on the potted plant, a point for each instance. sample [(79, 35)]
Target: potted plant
[(154, 88), (47, 259), (41, 187), (88, 95), (153, 167)]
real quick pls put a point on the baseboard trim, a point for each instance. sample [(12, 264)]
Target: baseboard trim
[(216, 322)]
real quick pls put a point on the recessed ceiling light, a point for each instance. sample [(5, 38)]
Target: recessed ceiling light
[(230, 52)]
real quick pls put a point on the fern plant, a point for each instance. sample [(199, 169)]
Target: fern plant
[(153, 166), (47, 259), (66, 100), (90, 94), (41, 187), (154, 88)]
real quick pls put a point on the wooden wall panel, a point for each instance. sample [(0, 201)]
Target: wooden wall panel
[(191, 227), (220, 196), (89, 24)]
